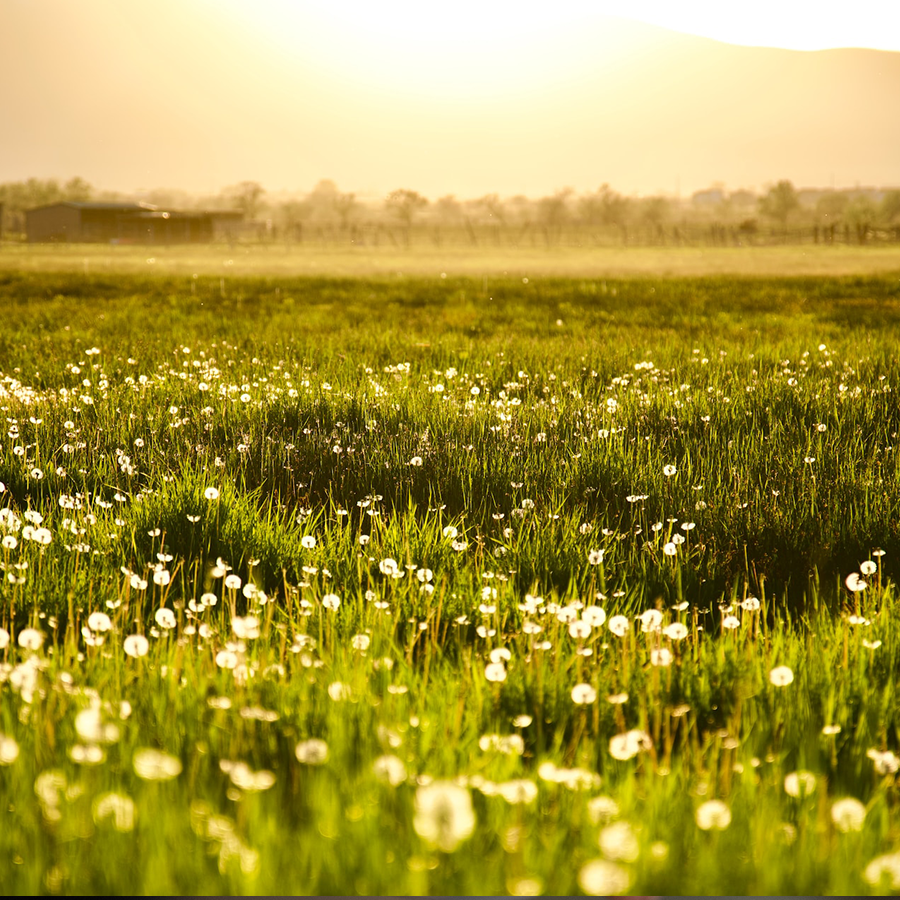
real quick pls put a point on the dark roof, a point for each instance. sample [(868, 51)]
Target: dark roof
[(109, 207)]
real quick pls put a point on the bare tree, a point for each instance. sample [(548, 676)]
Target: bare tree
[(405, 204), (247, 197)]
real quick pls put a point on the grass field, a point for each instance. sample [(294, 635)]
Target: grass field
[(474, 584), (424, 259)]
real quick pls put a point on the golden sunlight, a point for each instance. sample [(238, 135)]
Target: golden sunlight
[(463, 51)]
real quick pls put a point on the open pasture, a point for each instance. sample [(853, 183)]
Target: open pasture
[(477, 585), (424, 259)]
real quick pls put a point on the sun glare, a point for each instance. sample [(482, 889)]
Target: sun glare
[(457, 51)]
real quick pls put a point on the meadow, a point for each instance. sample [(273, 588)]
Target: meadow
[(473, 583)]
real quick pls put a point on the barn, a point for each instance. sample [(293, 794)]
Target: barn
[(127, 223)]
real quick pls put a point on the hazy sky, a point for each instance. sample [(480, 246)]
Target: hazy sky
[(464, 97)]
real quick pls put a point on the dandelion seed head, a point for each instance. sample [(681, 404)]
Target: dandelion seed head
[(799, 784), (155, 765), (848, 814), (583, 694), (713, 815), (781, 676), (444, 816), (600, 877)]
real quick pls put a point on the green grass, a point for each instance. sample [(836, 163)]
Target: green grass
[(495, 432)]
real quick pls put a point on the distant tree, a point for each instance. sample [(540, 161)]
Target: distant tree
[(605, 206), (292, 214), (861, 214), (654, 210), (247, 197), (19, 196), (448, 208), (493, 206), (78, 190), (831, 206), (553, 211), (780, 202), (890, 207), (404, 204), (345, 206)]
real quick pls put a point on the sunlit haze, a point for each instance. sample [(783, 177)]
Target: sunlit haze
[(465, 98)]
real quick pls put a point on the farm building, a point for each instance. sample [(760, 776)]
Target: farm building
[(127, 223)]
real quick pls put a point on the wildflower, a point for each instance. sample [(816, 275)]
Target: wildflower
[(600, 877), (389, 769), (731, 622), (99, 622), (118, 807), (848, 814), (580, 630), (884, 871), (444, 816), (713, 815), (211, 493), (799, 784), (618, 842), (661, 657), (226, 659), (618, 625), (244, 778), (583, 694), (312, 752), (360, 642), (165, 618), (602, 809), (495, 672), (886, 763), (86, 754), (670, 548), (625, 746), (518, 791), (617, 699), (233, 582), (595, 616), (331, 601), (751, 604), (595, 557), (388, 566), (522, 721), (781, 676), (669, 471), (450, 532), (30, 639), (676, 631), (307, 542), (155, 765), (416, 461), (854, 583), (246, 628), (9, 750), (338, 691), (91, 728), (499, 654), (869, 567), (650, 620), (831, 729)]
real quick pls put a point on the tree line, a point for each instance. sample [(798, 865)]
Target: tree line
[(326, 210)]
